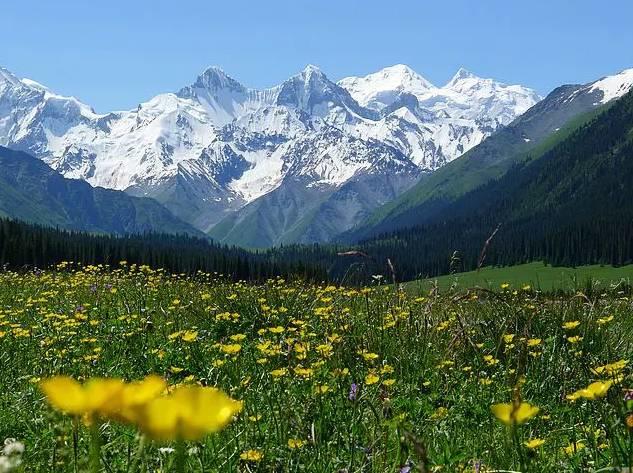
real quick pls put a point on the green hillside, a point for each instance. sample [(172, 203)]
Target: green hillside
[(537, 131), (570, 206), (33, 192), (537, 275)]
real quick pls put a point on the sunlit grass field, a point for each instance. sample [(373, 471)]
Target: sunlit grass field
[(538, 275), (331, 379)]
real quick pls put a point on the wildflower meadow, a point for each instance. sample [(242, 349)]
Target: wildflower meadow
[(133, 369)]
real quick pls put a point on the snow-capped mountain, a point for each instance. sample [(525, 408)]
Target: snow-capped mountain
[(383, 88), (216, 147), (564, 110), (434, 125)]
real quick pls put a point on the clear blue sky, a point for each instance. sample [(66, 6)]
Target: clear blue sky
[(113, 54)]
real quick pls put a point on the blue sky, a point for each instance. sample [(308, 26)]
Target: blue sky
[(113, 54)]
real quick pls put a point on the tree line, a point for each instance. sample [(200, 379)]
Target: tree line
[(24, 245)]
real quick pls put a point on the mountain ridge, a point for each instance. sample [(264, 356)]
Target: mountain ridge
[(33, 192), (567, 106), (215, 146)]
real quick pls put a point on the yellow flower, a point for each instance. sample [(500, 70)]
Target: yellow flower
[(368, 356), (604, 320), (573, 448), (321, 388), (371, 378), (324, 350), (231, 349), (278, 373), (439, 413), (611, 369), (189, 413), (277, 329), (295, 443), (505, 285), (189, 336), (252, 455), (592, 392), (508, 338), (490, 360), (533, 444), (571, 325), (98, 396), (135, 395), (533, 342), (575, 339), (303, 372), (514, 413)]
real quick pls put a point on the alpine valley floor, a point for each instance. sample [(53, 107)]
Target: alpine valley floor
[(320, 379), (537, 275)]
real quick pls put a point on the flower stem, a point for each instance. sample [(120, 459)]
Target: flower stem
[(139, 457), (519, 449), (180, 456), (95, 448)]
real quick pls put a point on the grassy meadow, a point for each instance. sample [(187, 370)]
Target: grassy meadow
[(330, 379), (538, 275)]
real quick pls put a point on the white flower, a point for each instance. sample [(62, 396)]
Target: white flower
[(7, 464), (13, 447), (192, 451), (166, 450)]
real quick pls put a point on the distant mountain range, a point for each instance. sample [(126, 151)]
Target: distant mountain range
[(309, 160), (299, 162)]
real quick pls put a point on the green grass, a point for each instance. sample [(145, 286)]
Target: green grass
[(538, 275), (427, 369)]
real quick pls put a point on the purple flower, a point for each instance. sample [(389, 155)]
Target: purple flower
[(353, 392), (405, 469)]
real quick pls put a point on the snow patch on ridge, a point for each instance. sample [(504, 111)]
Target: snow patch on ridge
[(615, 86)]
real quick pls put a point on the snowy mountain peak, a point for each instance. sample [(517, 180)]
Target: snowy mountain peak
[(461, 74), (312, 70), (311, 77), (383, 88), (403, 75), (312, 92), (214, 79), (7, 77), (23, 94), (615, 86)]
